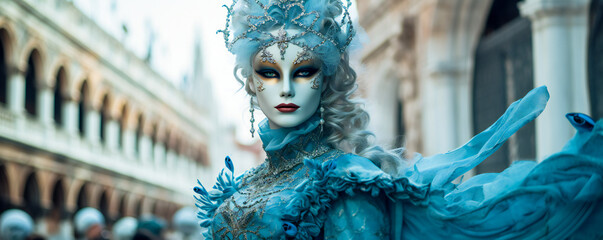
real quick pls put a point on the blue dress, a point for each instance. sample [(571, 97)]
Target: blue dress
[(307, 189)]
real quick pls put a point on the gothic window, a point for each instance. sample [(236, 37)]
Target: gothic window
[(31, 196), (400, 130), (139, 209), (82, 198), (83, 107), (595, 59), (31, 76), (3, 67), (503, 73), (123, 206), (58, 201), (139, 133), (176, 148), (103, 205), (167, 145), (155, 208), (154, 141), (122, 126), (104, 115), (58, 96), (4, 190)]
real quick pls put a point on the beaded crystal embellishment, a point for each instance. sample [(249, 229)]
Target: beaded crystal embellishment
[(266, 21)]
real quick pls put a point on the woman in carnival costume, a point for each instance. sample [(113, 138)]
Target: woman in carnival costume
[(324, 179)]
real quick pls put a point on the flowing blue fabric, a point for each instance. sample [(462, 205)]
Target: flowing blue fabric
[(550, 200), (342, 196), (439, 170), (558, 198), (276, 139)]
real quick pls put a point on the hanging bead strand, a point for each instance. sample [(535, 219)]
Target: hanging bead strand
[(322, 120), (251, 110)]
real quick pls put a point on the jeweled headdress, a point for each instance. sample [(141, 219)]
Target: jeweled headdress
[(323, 27)]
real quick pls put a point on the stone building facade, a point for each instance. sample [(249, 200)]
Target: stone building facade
[(84, 122), (437, 72)]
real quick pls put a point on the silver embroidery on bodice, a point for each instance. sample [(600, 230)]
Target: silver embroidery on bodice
[(253, 212)]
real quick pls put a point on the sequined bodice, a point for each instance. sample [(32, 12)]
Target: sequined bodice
[(255, 210)]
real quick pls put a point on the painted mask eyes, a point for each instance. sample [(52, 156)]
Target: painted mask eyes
[(271, 74), (305, 72), (268, 73)]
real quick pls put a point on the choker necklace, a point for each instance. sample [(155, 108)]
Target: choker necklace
[(293, 154)]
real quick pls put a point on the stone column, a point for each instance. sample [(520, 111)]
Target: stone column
[(145, 149), (128, 142), (45, 222), (446, 115), (182, 167), (92, 125), (111, 134), (159, 158), (559, 33), (66, 230), (41, 226), (45, 105), (439, 125), (70, 115), (192, 168), (16, 91), (170, 160), (200, 171)]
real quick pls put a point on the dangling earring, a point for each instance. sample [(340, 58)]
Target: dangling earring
[(322, 120), (251, 110)]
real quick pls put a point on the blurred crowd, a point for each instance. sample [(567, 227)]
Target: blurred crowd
[(89, 224)]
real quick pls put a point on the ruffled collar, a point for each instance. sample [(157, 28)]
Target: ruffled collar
[(276, 139), (286, 148)]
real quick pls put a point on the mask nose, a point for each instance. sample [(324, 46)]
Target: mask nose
[(287, 91)]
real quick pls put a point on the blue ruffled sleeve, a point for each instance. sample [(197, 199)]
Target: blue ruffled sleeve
[(348, 180)]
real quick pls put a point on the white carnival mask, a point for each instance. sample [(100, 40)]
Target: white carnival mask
[(288, 87)]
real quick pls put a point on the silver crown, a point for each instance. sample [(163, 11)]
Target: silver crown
[(295, 16)]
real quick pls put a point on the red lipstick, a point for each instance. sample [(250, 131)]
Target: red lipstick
[(287, 107)]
